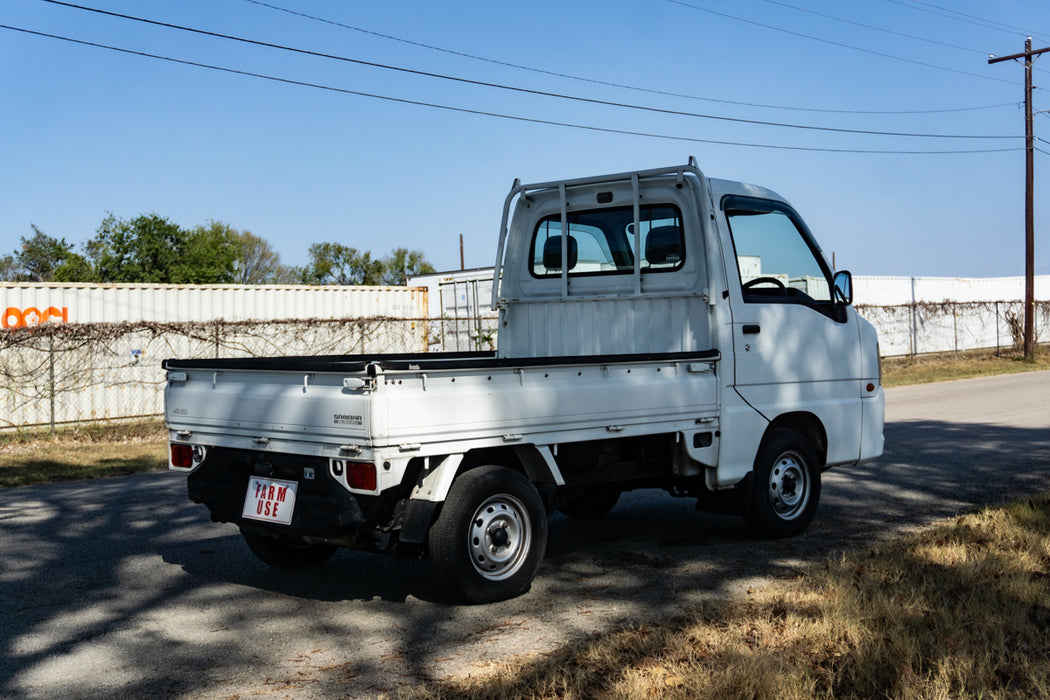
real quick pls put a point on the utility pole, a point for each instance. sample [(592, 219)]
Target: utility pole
[(1029, 233)]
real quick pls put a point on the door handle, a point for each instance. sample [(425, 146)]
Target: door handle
[(752, 329)]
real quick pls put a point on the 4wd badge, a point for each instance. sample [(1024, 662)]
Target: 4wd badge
[(347, 419)]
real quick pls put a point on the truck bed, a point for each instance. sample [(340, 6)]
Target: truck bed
[(435, 404)]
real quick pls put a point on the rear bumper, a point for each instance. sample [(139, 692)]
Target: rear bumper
[(323, 509)]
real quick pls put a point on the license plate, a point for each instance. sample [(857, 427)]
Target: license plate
[(270, 500)]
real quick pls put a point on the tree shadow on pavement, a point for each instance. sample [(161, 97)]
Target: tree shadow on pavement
[(123, 587)]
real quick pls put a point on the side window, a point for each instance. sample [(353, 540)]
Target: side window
[(774, 253), (602, 242)]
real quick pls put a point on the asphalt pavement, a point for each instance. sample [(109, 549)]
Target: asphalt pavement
[(123, 588)]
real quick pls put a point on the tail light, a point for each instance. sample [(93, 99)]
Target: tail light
[(181, 456), (361, 475)]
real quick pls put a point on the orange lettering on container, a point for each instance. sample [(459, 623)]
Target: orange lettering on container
[(15, 314), (32, 316)]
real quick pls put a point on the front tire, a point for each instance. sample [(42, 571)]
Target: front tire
[(488, 542), (287, 554), (786, 487)]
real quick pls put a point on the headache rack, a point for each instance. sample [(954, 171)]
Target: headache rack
[(562, 186)]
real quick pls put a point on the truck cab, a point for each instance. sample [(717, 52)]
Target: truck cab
[(669, 261)]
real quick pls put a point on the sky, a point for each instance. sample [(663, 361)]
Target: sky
[(336, 147)]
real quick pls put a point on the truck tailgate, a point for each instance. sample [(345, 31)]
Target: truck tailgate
[(244, 408)]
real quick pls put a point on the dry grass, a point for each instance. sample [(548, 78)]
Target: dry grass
[(84, 452), (898, 371), (958, 610)]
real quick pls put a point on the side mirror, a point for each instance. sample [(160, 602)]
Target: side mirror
[(844, 287)]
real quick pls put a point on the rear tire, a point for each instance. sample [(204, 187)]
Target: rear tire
[(786, 487), (287, 554), (488, 542)]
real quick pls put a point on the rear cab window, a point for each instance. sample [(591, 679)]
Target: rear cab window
[(603, 242)]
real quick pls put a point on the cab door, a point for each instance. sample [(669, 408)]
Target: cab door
[(796, 349)]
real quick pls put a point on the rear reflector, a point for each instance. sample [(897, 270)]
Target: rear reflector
[(361, 475), (182, 456)]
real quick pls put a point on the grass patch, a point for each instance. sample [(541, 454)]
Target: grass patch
[(958, 610), (83, 452), (898, 371)]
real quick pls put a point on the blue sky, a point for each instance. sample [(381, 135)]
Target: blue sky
[(86, 131)]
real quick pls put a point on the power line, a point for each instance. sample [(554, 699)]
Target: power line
[(541, 93), (622, 86), (949, 13), (835, 43), (873, 27), (464, 110)]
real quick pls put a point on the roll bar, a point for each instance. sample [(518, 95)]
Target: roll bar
[(562, 186)]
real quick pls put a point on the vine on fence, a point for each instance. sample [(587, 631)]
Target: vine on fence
[(928, 326), (948, 307), (64, 372)]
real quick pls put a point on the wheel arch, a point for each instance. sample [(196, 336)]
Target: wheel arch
[(534, 461), (431, 490), (808, 425)]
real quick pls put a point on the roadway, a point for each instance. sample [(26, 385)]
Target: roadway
[(123, 588)]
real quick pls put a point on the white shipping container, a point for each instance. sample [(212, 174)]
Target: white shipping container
[(30, 303), (116, 373)]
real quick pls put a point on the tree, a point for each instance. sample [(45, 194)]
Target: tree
[(257, 262), (8, 268), (152, 249), (44, 258), (335, 263), (403, 263), (211, 255)]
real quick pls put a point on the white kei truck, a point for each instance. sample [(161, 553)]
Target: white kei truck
[(657, 329)]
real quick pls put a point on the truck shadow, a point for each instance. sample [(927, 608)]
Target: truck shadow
[(658, 547), (575, 548), (347, 576)]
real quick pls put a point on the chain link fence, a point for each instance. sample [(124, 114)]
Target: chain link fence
[(463, 334), (62, 373), (922, 327)]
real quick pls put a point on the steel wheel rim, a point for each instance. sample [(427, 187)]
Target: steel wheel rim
[(789, 485), (499, 537)]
